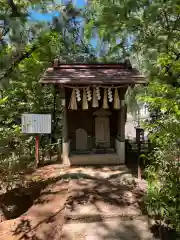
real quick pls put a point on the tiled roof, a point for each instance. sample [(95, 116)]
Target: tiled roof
[(92, 74)]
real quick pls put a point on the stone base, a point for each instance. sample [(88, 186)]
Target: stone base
[(120, 149), (95, 159), (103, 151), (65, 154)]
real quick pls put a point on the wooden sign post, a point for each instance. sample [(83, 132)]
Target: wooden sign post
[(37, 151), (36, 124)]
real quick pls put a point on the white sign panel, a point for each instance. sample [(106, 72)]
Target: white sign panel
[(36, 123)]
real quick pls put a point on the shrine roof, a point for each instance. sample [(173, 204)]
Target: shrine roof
[(92, 74)]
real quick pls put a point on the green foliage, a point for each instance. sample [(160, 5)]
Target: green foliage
[(163, 171), (21, 92), (148, 32), (144, 28), (162, 200), (145, 31)]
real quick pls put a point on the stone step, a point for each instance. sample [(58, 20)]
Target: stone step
[(101, 217), (101, 210), (110, 229), (95, 159)]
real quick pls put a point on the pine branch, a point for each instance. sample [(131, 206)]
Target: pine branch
[(167, 21), (18, 60), (81, 40), (15, 12), (22, 57), (34, 47)]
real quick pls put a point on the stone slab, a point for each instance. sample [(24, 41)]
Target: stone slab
[(114, 229)]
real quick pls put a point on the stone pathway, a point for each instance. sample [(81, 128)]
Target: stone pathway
[(87, 203), (104, 205)]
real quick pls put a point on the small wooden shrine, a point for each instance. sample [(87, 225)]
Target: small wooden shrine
[(94, 110)]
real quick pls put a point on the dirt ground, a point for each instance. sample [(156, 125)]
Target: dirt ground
[(62, 203)]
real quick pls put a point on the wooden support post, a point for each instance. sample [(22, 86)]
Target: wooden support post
[(138, 141), (54, 114), (65, 139), (122, 121), (37, 152)]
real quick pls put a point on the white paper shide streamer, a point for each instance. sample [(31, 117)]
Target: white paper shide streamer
[(89, 97), (116, 99), (84, 100), (105, 100), (110, 98), (78, 94), (73, 102), (98, 94), (95, 100)]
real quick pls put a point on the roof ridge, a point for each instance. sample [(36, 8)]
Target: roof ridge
[(124, 65)]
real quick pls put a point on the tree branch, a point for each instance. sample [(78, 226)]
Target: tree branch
[(23, 56), (176, 23), (167, 21), (15, 12), (18, 61), (34, 47)]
